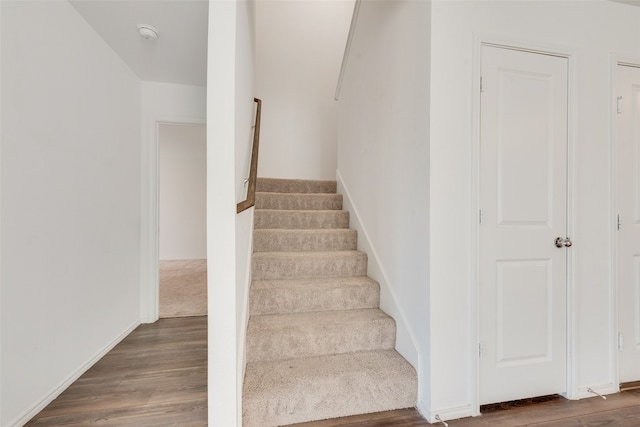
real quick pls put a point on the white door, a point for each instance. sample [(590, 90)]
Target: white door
[(523, 200), (628, 236)]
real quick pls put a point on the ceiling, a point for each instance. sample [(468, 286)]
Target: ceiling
[(178, 55)]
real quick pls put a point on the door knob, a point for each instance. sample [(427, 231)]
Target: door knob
[(562, 241)]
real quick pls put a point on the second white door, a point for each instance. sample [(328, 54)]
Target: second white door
[(628, 236), (523, 200)]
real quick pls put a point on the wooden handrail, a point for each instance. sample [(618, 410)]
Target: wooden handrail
[(253, 171), (347, 48)]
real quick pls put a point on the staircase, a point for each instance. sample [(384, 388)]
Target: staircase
[(318, 346)]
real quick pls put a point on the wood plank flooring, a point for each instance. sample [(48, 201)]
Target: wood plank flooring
[(157, 376), (619, 410)]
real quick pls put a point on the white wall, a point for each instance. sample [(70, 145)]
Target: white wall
[(183, 191), (161, 103), (229, 113), (245, 118), (383, 163), (592, 31), (1, 61), (299, 47), (70, 202)]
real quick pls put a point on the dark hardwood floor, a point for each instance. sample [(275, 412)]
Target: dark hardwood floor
[(157, 376), (619, 410)]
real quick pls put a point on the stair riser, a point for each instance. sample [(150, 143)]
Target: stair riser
[(279, 342), (298, 201), (274, 185), (310, 298), (304, 240), (274, 268), (300, 219)]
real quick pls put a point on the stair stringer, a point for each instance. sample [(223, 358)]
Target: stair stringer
[(406, 342)]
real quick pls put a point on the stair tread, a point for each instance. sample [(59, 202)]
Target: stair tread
[(316, 294), (307, 230), (283, 185), (293, 194), (287, 391), (284, 336), (300, 219), (299, 211), (316, 320), (304, 239), (287, 283), (298, 201), (308, 254), (290, 265)]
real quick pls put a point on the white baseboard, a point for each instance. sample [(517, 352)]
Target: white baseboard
[(21, 420), (446, 414), (601, 389)]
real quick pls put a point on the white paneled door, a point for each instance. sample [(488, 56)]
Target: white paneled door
[(523, 242), (628, 235)]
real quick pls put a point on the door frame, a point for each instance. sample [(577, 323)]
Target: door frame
[(570, 54), (616, 61), (150, 244)]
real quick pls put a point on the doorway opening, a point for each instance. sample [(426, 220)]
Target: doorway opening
[(182, 246)]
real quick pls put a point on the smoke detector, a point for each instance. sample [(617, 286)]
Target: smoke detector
[(147, 32)]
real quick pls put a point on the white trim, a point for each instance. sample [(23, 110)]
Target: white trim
[(602, 389), (149, 247), (572, 291), (0, 219), (402, 325), (21, 420), (451, 413), (347, 48), (528, 46), (474, 279), (613, 237)]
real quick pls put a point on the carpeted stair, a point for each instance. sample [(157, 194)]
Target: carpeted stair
[(318, 346)]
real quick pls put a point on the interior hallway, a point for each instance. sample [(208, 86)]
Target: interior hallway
[(183, 288)]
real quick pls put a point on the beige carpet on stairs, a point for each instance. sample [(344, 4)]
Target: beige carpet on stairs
[(318, 346), (183, 288)]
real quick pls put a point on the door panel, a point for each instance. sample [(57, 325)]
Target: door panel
[(523, 197), (524, 331), (628, 236), (524, 162)]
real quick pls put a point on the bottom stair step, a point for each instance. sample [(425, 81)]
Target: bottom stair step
[(315, 388)]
